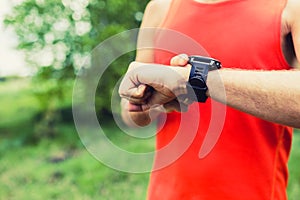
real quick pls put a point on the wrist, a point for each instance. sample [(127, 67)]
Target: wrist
[(209, 81), (216, 85), (184, 71)]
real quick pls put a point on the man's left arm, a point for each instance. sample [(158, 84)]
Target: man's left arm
[(271, 95)]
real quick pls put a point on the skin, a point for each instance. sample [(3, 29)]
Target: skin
[(261, 93)]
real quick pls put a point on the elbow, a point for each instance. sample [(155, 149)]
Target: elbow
[(295, 117)]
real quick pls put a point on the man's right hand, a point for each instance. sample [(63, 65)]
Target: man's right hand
[(167, 83)]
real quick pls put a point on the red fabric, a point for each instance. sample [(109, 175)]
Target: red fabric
[(249, 161)]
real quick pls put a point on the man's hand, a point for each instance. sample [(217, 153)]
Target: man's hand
[(181, 103), (150, 85)]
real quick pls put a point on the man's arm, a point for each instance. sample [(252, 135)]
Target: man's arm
[(270, 95), (274, 95), (154, 14)]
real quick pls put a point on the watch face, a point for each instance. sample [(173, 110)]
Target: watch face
[(197, 90), (197, 82)]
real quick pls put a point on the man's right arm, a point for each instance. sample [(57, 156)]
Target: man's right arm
[(154, 14)]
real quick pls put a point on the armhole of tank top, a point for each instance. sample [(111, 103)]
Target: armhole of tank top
[(169, 11), (278, 30), (173, 7)]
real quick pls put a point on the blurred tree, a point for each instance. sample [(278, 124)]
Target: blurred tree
[(57, 36)]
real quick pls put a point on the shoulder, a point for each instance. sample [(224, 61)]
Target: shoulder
[(291, 15), (155, 12), (291, 24), (158, 4)]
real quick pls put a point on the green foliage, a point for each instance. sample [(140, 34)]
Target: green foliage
[(18, 109), (17, 103), (58, 36)]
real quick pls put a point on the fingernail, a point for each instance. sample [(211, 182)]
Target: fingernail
[(184, 56)]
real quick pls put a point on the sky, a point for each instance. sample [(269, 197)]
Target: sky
[(11, 60)]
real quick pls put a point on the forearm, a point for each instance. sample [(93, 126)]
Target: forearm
[(270, 95)]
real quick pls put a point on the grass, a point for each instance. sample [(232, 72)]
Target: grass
[(52, 171), (294, 169), (62, 168), (59, 168)]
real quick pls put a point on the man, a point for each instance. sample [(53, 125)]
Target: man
[(260, 39)]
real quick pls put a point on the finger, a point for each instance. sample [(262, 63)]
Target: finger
[(172, 106), (136, 101), (138, 95), (158, 98), (175, 106), (184, 99), (179, 60), (142, 92), (130, 87), (139, 92), (141, 99)]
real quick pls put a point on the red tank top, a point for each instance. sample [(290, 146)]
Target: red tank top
[(249, 160)]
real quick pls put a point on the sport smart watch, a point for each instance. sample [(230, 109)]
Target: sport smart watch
[(197, 87)]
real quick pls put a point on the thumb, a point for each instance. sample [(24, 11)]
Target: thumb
[(180, 60)]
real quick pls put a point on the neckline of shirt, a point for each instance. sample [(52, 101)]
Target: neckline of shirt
[(217, 3)]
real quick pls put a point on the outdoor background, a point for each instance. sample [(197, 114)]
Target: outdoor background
[(43, 45)]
